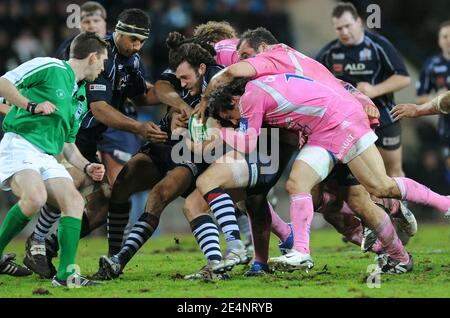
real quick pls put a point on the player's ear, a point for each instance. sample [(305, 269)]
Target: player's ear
[(359, 21), (92, 58), (263, 47), (202, 68)]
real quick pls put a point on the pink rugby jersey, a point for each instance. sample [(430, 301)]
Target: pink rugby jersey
[(331, 120), (284, 59), (226, 52)]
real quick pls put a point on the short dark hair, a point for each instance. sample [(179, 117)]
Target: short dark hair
[(91, 7), (257, 36), (343, 7), (220, 99), (85, 43), (135, 17), (192, 53), (182, 50)]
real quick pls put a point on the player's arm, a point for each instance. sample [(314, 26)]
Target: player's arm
[(111, 117), (227, 75), (147, 99), (392, 84), (168, 95), (95, 170), (438, 105), (10, 93)]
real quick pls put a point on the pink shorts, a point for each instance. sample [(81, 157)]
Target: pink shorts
[(346, 140)]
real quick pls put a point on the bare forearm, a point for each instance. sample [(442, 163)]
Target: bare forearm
[(11, 94), (392, 84), (167, 94), (222, 78), (74, 156), (111, 117)]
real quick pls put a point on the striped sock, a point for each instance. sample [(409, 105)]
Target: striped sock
[(139, 234), (117, 220), (207, 235), (222, 207), (48, 216)]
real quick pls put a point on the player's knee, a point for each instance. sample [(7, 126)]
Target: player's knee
[(294, 186), (203, 183), (74, 205), (36, 200)]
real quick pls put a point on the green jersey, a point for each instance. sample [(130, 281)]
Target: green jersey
[(47, 79)]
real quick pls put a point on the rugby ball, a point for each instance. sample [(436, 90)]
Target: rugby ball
[(197, 130)]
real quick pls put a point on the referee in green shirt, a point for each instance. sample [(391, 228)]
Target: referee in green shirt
[(48, 99)]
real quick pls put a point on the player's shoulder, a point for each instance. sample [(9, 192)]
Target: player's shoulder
[(378, 39), (211, 70), (434, 59), (331, 46), (44, 63)]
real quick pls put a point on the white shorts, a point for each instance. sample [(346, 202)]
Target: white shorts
[(17, 154), (317, 158)]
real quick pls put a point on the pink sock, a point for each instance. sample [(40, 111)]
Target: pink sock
[(418, 193), (390, 241), (377, 247), (302, 213), (279, 227)]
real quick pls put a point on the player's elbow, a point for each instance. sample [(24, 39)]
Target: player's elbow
[(162, 88), (404, 81)]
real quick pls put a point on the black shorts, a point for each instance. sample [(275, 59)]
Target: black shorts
[(161, 156), (342, 175), (389, 137), (261, 177)]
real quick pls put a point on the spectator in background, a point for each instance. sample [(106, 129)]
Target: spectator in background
[(435, 80), (369, 62), (27, 46)]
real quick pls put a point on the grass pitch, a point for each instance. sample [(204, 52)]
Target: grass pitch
[(340, 271)]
